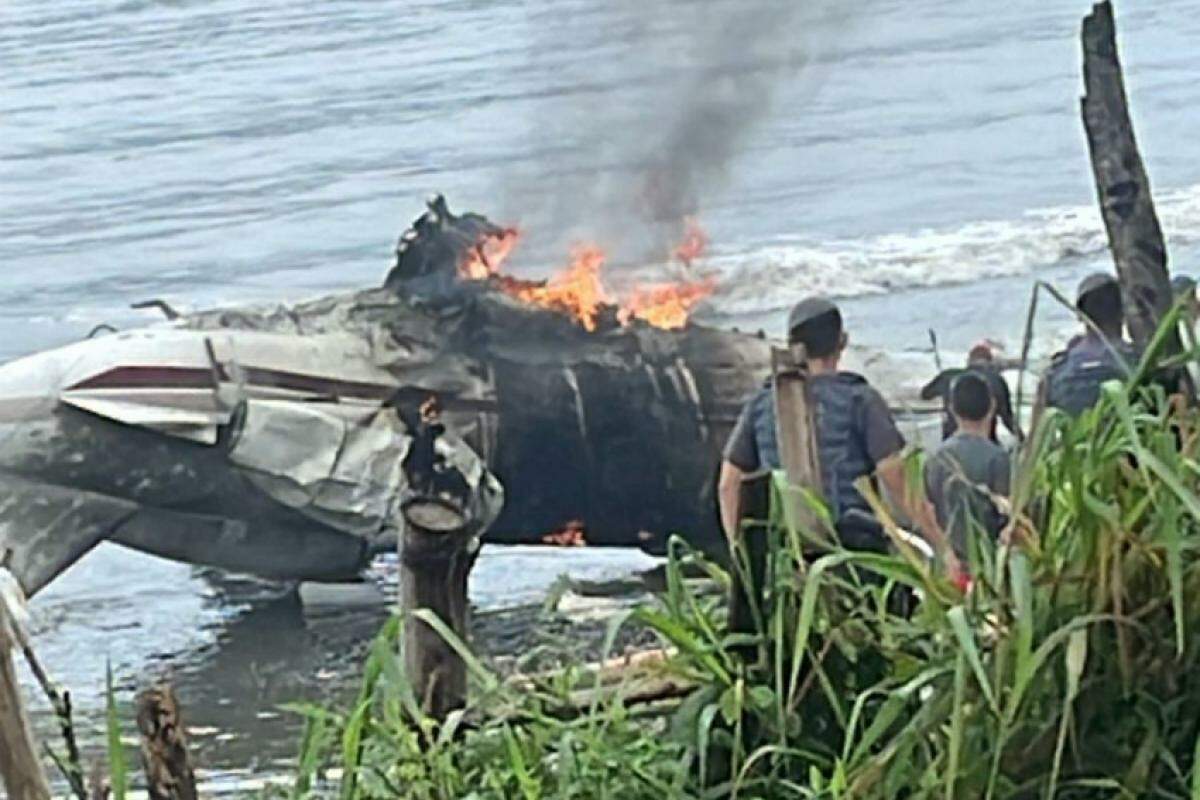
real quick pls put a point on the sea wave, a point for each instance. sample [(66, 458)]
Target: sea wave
[(774, 275)]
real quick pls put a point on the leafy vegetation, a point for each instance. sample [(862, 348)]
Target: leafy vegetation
[(1068, 670)]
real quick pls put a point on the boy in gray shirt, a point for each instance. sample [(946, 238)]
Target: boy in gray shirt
[(968, 467)]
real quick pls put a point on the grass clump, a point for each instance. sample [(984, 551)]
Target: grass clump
[(1070, 669)]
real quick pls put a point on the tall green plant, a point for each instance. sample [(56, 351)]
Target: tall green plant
[(1068, 670)]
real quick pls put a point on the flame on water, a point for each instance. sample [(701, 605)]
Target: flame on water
[(485, 259), (578, 291), (665, 305), (694, 242)]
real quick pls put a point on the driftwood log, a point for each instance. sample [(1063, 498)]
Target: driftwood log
[(165, 759), (1122, 186), (19, 765)]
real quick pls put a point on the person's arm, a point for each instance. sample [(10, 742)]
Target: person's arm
[(937, 386), (729, 490), (890, 473), (1004, 408), (740, 457), (910, 500), (934, 484), (885, 446)]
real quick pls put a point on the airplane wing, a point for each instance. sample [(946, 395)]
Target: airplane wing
[(45, 528)]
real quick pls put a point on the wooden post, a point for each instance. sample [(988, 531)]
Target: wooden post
[(19, 764), (797, 437), (800, 461), (434, 566), (165, 760), (1122, 186)]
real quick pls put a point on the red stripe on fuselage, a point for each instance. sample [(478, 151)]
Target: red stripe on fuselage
[(196, 378)]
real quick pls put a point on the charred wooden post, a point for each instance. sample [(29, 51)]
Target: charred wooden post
[(165, 759), (1123, 188), (434, 566), (438, 545), (19, 765)]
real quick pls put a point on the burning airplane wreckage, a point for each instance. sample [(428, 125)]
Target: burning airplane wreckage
[(292, 443)]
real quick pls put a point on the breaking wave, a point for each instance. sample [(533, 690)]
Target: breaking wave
[(774, 276)]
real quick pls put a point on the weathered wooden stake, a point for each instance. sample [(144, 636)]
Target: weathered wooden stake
[(796, 434), (19, 764), (165, 760), (433, 575), (799, 458), (1123, 188)]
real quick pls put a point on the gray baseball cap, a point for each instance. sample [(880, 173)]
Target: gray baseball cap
[(1097, 280), (808, 309)]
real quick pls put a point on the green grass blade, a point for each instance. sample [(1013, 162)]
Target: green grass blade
[(808, 610), (966, 640), (1196, 769), (118, 769), (957, 724)]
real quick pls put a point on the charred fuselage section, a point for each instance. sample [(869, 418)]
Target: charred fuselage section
[(294, 442), (619, 428)]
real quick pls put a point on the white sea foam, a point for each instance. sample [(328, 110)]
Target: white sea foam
[(775, 275)]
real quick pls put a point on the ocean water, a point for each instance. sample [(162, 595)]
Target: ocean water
[(922, 160)]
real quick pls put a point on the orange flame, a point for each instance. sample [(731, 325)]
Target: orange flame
[(694, 242), (572, 534), (485, 259), (577, 291), (665, 305)]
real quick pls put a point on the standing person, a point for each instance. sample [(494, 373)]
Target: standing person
[(855, 432), (980, 359), (965, 471), (1099, 354)]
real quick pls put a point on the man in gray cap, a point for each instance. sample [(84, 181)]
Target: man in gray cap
[(1100, 354), (856, 434)]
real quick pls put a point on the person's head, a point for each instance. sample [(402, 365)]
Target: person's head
[(1099, 299), (971, 401), (816, 323), (981, 353)]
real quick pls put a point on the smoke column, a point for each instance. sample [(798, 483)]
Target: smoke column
[(652, 102)]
